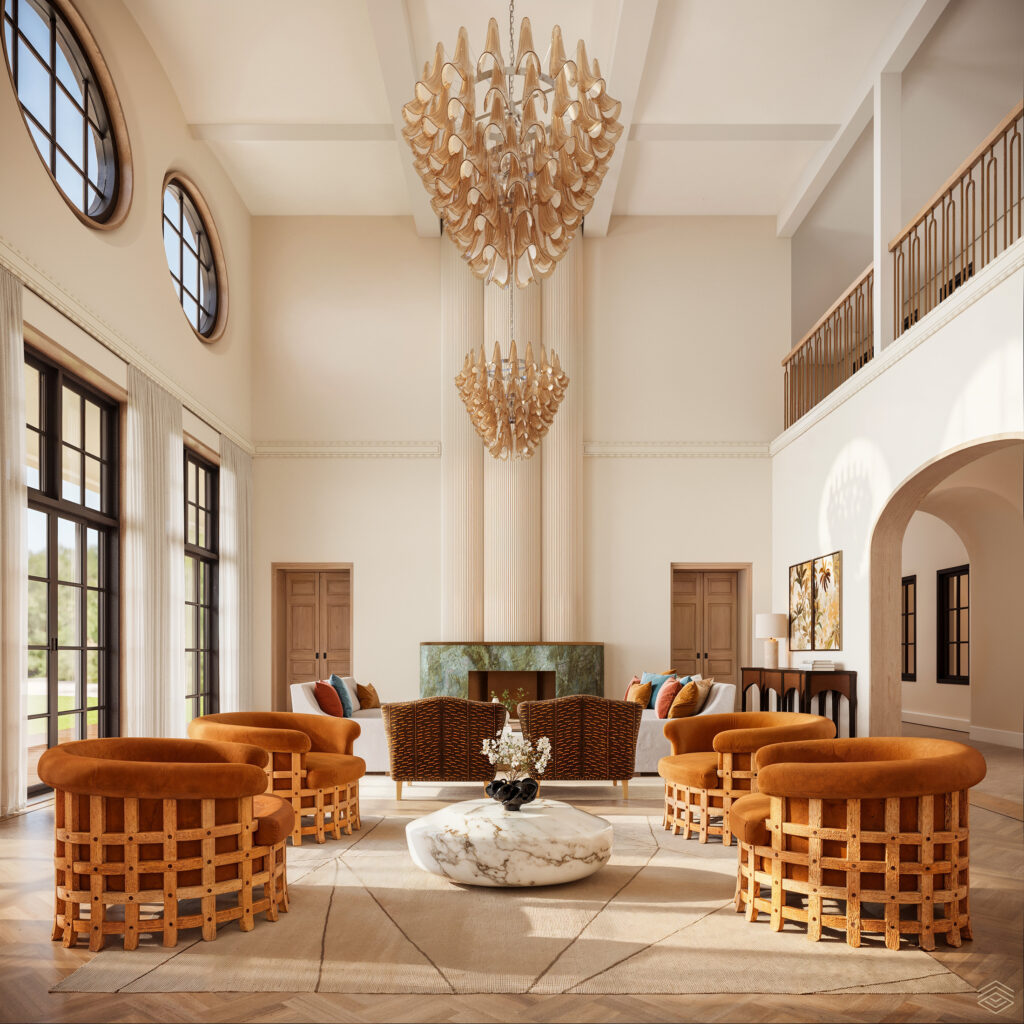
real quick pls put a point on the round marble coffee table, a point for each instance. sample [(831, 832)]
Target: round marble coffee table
[(478, 842)]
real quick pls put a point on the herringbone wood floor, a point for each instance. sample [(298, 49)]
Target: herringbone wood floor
[(30, 964)]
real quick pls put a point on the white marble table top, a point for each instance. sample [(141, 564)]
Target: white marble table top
[(478, 842)]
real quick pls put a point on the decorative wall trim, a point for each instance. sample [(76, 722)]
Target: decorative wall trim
[(1005, 265), (676, 449), (1004, 737), (351, 450), (937, 721), (40, 283)]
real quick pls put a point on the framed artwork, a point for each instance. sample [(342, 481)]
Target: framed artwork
[(816, 604), (801, 606), (828, 602)]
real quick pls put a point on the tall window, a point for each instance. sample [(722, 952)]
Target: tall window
[(66, 109), (908, 643), (201, 680), (71, 470), (954, 633)]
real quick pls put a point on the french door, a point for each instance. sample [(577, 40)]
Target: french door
[(704, 630)]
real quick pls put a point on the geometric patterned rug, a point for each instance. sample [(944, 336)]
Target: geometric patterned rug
[(657, 919)]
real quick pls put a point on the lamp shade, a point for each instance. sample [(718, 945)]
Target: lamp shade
[(771, 627)]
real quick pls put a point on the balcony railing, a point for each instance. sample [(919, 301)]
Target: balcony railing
[(834, 349), (973, 217)]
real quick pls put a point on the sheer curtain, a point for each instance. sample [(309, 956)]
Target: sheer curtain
[(153, 692), (235, 583), (13, 556)]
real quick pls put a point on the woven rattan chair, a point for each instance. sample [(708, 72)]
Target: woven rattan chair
[(311, 764), (147, 823), (712, 764), (862, 835), (439, 739), (591, 737)]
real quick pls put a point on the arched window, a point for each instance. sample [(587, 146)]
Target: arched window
[(70, 107), (194, 257)]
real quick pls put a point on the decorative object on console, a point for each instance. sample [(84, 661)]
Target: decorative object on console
[(511, 186), (367, 694), (328, 699), (519, 759), (690, 698), (771, 628), (816, 604)]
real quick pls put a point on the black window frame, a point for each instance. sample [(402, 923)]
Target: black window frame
[(204, 254), (942, 634), (200, 685), (100, 192), (908, 629), (47, 499)]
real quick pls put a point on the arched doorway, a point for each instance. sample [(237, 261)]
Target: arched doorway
[(970, 515)]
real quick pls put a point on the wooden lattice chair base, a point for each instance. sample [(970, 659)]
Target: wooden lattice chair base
[(311, 764), (895, 865), (712, 764), (165, 857)]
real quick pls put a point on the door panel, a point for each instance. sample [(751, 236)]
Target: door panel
[(720, 633), (686, 622), (336, 623), (302, 622)]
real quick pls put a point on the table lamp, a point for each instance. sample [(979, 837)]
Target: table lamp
[(771, 628)]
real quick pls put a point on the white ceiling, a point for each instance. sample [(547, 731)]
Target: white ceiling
[(736, 101)]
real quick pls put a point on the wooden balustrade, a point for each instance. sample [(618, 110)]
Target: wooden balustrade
[(834, 349), (975, 216)]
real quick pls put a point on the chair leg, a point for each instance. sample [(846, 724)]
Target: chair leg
[(398, 789), (625, 789)]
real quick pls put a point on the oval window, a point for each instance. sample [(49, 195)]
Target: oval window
[(193, 257), (70, 108)]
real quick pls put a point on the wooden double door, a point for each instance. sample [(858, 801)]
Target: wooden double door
[(318, 624), (705, 635)]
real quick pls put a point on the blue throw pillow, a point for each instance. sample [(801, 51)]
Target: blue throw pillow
[(657, 682), (346, 697)]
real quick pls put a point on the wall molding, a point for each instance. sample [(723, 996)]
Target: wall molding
[(1004, 737), (676, 449), (54, 294), (1005, 265), (350, 450), (937, 721)]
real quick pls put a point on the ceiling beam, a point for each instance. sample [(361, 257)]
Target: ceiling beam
[(624, 74), (392, 33), (732, 132), (249, 132), (915, 22)]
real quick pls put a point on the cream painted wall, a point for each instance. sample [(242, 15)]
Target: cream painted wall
[(965, 78), (121, 275), (686, 321), (833, 474), (928, 546), (832, 246)]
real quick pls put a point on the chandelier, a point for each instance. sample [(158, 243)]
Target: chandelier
[(512, 176), (511, 401)]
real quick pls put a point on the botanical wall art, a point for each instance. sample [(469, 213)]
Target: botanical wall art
[(816, 604)]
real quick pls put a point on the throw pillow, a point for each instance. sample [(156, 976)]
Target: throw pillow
[(657, 682), (634, 680), (367, 696), (328, 699), (639, 693), (353, 690), (343, 695), (667, 694), (690, 698)]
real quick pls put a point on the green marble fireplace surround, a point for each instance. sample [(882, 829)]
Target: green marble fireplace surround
[(445, 668)]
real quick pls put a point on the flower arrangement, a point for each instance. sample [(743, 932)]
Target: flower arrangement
[(520, 760)]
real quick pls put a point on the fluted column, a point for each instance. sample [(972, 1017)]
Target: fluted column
[(562, 473), (512, 595), (462, 457)]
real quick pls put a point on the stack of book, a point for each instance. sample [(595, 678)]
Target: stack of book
[(823, 666)]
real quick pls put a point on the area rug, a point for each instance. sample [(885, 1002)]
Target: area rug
[(657, 919)]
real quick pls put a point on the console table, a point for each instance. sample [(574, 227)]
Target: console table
[(796, 688)]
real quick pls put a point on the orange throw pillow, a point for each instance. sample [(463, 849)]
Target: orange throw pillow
[(632, 683), (639, 693), (666, 695), (328, 699), (690, 698), (367, 696)]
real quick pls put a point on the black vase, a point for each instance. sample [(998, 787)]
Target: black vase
[(512, 795)]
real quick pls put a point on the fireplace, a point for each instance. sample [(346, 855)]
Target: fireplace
[(537, 685)]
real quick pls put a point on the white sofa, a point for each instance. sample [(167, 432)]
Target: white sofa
[(652, 744), (372, 744)]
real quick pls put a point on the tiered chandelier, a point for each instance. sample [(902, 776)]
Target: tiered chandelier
[(513, 177)]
